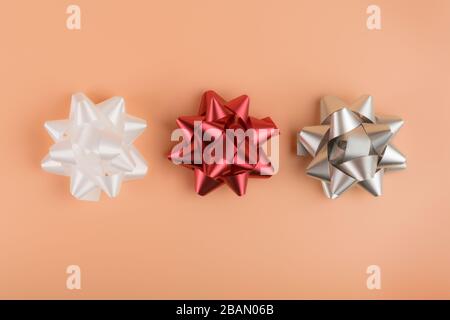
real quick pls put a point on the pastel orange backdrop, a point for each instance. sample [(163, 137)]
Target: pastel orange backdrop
[(283, 239)]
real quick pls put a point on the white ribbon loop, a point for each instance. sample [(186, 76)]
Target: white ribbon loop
[(94, 147)]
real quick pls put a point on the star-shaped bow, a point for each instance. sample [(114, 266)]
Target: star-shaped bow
[(94, 147), (217, 114), (351, 146)]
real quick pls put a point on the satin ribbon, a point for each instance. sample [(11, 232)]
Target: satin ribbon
[(94, 147)]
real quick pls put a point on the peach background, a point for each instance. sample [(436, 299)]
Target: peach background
[(284, 239)]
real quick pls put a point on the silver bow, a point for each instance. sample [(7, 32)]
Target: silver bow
[(94, 147), (351, 146)]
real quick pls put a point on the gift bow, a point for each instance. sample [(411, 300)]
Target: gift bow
[(351, 146), (217, 114), (94, 147)]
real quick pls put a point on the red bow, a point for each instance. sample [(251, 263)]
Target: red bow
[(217, 115)]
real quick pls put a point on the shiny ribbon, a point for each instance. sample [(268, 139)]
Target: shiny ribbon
[(94, 147), (351, 146), (216, 113)]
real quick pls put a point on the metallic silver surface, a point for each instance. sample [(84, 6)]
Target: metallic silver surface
[(350, 146)]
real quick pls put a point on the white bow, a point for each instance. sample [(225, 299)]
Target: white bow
[(94, 147)]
